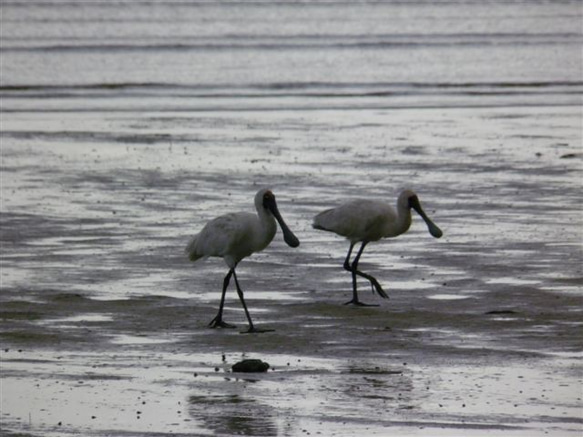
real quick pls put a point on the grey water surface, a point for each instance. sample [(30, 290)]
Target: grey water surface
[(125, 126)]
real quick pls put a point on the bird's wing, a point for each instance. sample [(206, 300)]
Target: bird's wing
[(356, 220), (342, 220), (376, 216), (220, 235)]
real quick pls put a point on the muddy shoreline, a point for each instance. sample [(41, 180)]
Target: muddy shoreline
[(104, 321)]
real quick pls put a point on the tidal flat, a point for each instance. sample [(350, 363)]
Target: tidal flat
[(104, 320), (126, 126)]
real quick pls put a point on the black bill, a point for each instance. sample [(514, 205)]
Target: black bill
[(433, 228), (288, 235)]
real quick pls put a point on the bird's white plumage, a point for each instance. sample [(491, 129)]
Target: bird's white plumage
[(234, 236), (370, 220), (367, 220)]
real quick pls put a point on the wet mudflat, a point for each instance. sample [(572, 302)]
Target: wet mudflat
[(126, 126), (104, 320)]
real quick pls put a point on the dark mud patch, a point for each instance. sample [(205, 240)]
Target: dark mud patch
[(251, 366), (501, 312), (31, 338)]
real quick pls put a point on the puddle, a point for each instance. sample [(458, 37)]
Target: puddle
[(448, 297), (574, 290), (410, 285), (138, 340), (70, 408), (512, 281), (89, 318)]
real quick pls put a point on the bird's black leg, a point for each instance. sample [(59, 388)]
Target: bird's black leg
[(347, 260), (348, 267), (355, 272), (252, 328), (217, 322), (352, 268), (374, 283)]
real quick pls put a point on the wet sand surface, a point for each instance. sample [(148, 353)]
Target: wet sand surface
[(104, 320), (126, 126)]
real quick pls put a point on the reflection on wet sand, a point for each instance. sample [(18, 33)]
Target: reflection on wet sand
[(234, 414)]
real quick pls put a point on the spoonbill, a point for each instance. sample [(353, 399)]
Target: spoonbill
[(235, 236), (364, 221)]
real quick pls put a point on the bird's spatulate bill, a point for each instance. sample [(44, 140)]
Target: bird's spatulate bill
[(288, 235), (433, 228)]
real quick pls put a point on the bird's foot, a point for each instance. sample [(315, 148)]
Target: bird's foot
[(359, 303), (217, 322)]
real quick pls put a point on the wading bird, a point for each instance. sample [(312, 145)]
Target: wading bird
[(236, 236), (367, 220)]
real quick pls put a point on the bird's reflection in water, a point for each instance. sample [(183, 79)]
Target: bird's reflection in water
[(234, 415)]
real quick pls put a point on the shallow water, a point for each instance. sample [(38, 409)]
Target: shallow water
[(124, 131)]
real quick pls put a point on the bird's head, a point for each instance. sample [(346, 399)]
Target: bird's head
[(409, 199), (266, 199)]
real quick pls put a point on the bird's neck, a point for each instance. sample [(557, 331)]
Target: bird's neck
[(267, 221), (404, 219)]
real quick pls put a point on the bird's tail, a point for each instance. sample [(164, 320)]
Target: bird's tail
[(318, 226), (321, 219), (190, 250)]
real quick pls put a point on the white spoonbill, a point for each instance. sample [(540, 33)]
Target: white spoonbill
[(364, 221), (236, 236)]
